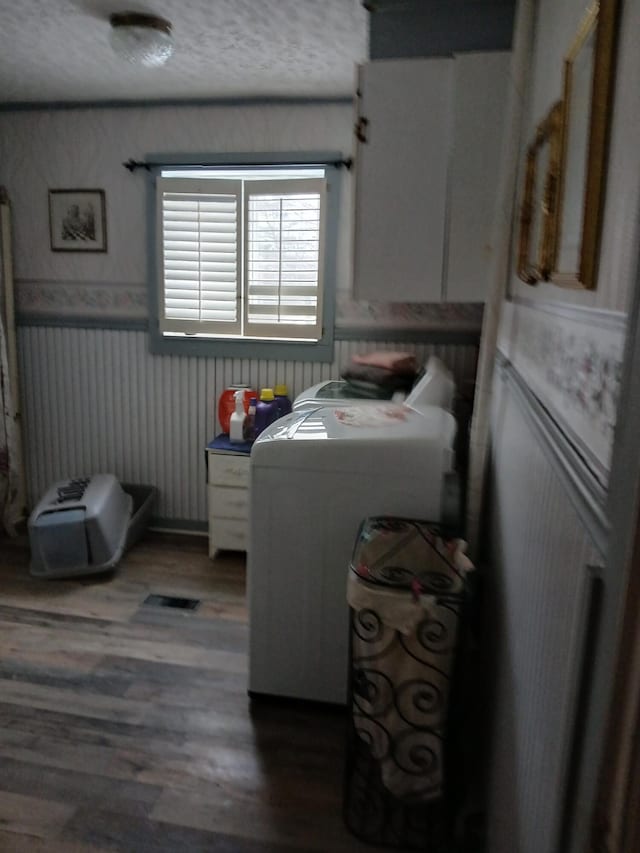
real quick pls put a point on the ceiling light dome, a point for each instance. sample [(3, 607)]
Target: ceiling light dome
[(141, 39)]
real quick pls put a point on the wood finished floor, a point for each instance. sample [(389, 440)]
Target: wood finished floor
[(128, 728)]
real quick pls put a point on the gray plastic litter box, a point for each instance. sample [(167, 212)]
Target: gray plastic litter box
[(83, 526)]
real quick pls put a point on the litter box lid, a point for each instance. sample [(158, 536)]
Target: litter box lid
[(79, 526)]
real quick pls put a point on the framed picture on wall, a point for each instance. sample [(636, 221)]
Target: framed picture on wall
[(77, 221)]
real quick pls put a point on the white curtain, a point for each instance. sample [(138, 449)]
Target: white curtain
[(499, 271), (11, 468)]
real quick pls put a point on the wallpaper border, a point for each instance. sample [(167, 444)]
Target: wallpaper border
[(571, 359), (599, 317), (123, 305), (99, 300), (354, 333)]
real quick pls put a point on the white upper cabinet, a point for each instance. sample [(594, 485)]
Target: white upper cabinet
[(403, 132), (428, 143), (479, 106)]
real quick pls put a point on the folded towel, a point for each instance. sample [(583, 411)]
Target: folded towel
[(397, 362), (367, 376)]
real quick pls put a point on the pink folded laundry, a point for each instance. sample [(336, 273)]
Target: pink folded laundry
[(378, 377), (396, 362)]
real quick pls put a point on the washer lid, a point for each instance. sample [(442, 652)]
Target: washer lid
[(436, 388), (353, 429), (338, 390)]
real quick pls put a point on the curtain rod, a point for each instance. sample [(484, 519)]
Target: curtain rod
[(133, 165)]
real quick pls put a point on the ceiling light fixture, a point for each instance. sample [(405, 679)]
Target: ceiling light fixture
[(141, 39)]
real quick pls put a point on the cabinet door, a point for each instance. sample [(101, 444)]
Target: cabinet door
[(480, 94), (404, 130)]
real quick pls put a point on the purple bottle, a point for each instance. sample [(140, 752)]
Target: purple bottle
[(282, 400), (266, 410)]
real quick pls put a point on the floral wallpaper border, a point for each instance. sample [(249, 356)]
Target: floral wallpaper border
[(74, 299), (574, 365), (403, 315), (118, 301)]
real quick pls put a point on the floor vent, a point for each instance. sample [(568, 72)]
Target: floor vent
[(171, 601)]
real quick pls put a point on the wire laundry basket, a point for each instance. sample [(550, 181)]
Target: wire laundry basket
[(407, 590)]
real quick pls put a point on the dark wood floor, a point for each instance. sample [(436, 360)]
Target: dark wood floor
[(128, 728)]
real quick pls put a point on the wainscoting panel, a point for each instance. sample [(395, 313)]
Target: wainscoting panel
[(96, 400), (540, 592)]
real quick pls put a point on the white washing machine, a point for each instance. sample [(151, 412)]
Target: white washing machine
[(315, 475)]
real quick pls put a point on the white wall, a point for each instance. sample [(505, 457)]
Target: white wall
[(568, 344), (557, 25), (538, 585), (85, 148), (42, 150), (552, 432)]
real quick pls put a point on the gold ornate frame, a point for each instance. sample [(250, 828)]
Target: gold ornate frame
[(601, 17), (539, 215)]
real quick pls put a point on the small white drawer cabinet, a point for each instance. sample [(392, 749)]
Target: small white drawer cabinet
[(228, 499)]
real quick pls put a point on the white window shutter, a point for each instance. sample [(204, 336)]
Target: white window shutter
[(199, 238), (284, 246)]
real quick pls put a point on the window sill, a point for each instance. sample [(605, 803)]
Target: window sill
[(209, 347)]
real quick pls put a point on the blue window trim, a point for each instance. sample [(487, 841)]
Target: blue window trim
[(321, 350)]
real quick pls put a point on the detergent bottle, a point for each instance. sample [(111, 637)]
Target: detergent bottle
[(283, 403), (266, 411), (227, 403), (236, 421)]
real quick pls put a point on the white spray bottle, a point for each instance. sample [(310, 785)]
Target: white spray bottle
[(237, 418)]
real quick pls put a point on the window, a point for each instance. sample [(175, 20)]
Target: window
[(241, 254)]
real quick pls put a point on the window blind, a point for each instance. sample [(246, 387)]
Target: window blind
[(283, 258), (241, 257), (200, 255)]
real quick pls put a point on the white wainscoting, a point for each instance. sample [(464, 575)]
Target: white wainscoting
[(96, 400), (539, 592)]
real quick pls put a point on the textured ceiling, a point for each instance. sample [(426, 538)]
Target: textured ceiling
[(58, 50)]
